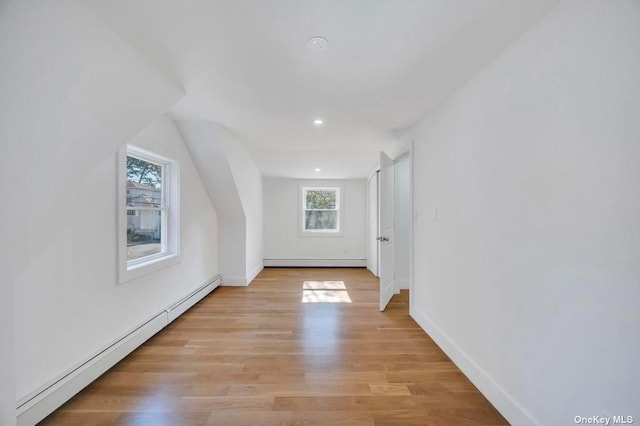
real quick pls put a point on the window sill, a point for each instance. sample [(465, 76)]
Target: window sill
[(134, 272)]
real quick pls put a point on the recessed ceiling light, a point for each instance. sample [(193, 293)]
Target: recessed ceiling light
[(318, 121), (317, 170), (317, 43)]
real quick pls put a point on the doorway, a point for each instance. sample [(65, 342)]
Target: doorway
[(402, 223), (390, 226)]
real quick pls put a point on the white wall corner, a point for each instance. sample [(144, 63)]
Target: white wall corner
[(234, 281), (402, 284), (503, 401), (254, 272)]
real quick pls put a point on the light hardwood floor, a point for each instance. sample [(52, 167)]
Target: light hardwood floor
[(258, 355)]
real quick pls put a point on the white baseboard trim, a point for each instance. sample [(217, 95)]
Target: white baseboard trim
[(254, 273), (504, 402), (231, 281), (43, 401), (330, 263), (402, 284)]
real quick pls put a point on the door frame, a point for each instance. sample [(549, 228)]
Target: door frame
[(386, 221), (405, 155), (408, 150), (411, 228), (373, 242)]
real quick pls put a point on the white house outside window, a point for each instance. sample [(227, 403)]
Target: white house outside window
[(321, 210), (149, 213), (146, 209)]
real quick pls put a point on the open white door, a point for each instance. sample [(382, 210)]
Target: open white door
[(373, 228), (386, 230)]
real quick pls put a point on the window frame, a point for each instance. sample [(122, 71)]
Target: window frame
[(302, 209), (170, 215)]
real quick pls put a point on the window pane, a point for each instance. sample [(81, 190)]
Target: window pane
[(144, 183), (321, 220), (321, 199), (144, 233)]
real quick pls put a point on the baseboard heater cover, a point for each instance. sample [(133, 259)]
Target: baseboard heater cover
[(44, 403), (180, 307), (39, 404), (327, 263)]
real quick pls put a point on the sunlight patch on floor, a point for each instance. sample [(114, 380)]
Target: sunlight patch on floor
[(325, 292), (324, 285)]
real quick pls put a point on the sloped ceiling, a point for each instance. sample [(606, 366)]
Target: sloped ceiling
[(245, 64)]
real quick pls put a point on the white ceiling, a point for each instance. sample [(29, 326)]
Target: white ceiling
[(245, 65)]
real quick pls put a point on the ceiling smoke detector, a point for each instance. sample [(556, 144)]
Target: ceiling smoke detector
[(317, 43)]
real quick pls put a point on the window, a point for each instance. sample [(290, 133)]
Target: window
[(146, 209), (149, 208), (320, 210)]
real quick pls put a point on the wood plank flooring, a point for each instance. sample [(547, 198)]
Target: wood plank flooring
[(258, 355)]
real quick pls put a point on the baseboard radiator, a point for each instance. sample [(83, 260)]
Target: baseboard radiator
[(315, 263), (39, 404)]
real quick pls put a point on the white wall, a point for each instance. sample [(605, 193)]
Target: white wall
[(248, 181), (7, 377), (402, 219), (72, 93), (206, 144), (234, 184), (281, 210), (69, 304), (529, 277)]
